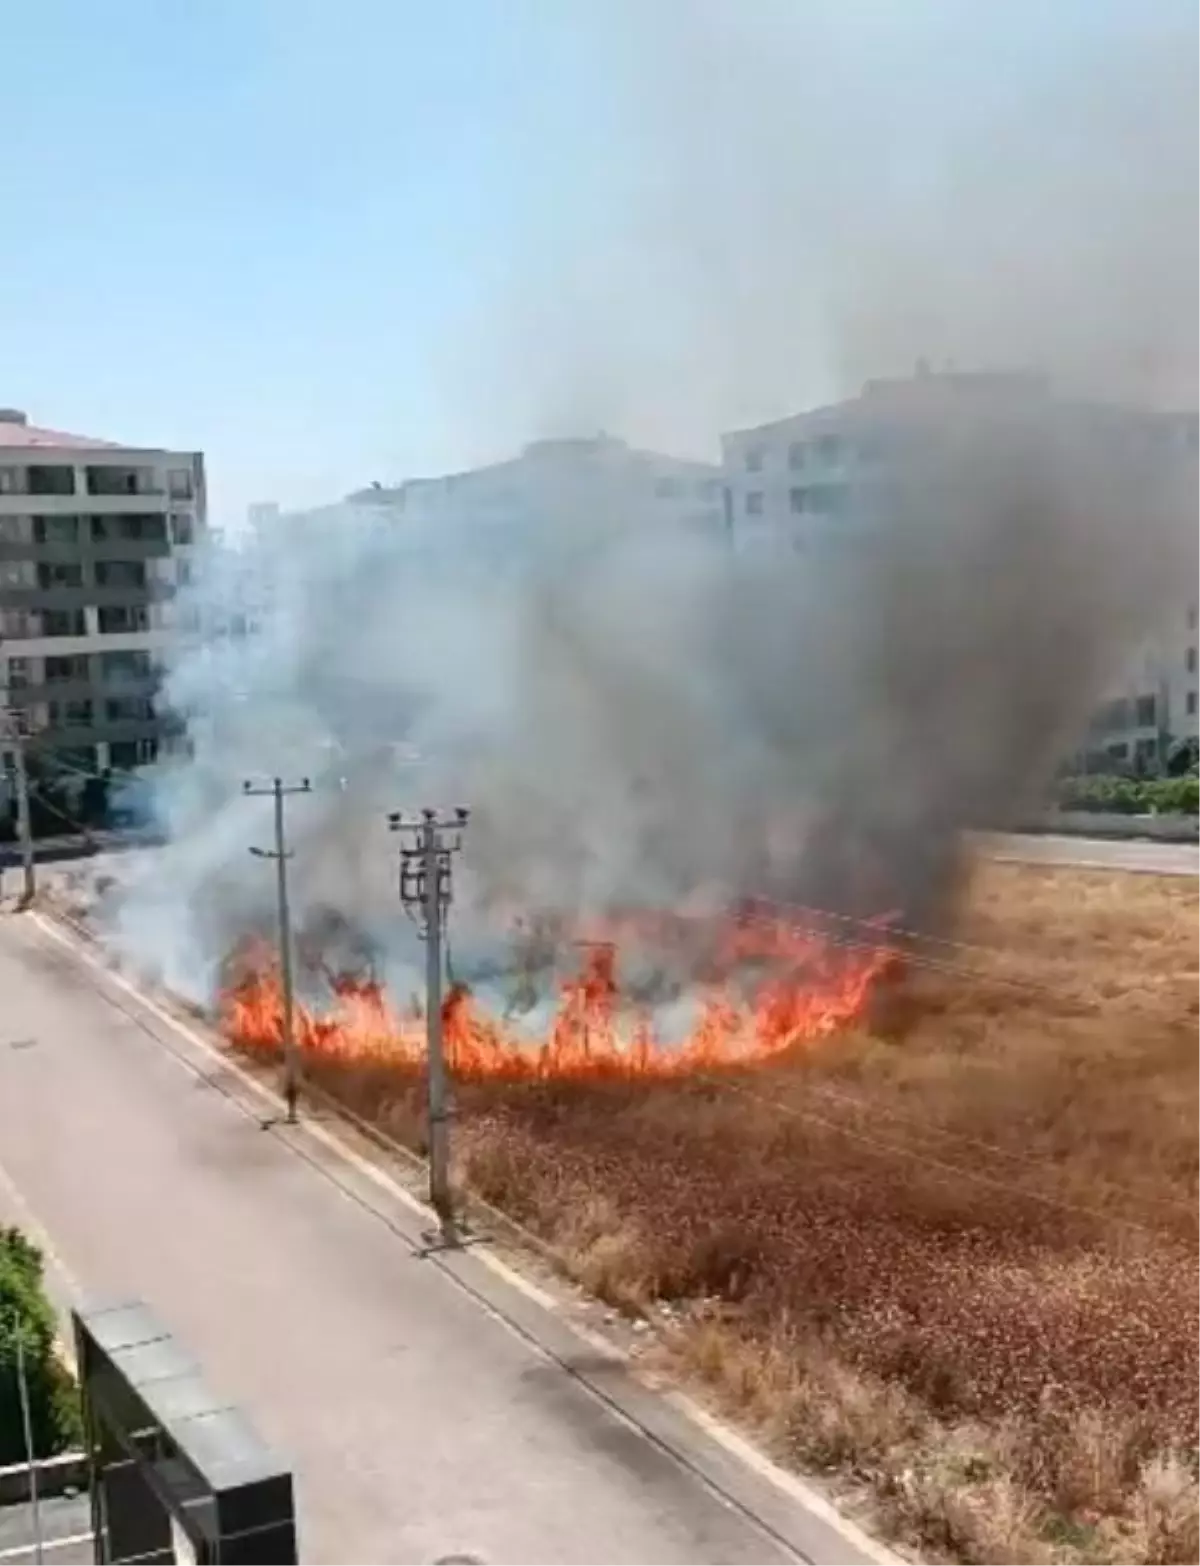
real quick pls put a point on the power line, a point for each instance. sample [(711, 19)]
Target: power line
[(278, 790), (921, 960), (956, 1171)]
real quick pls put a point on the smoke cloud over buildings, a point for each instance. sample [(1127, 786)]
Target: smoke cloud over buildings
[(654, 719)]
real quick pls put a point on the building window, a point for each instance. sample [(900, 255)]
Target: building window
[(1190, 660), (798, 500), (1113, 715), (125, 755), (796, 454), (17, 573), (55, 479), (1191, 702), (120, 573), (62, 622), (1119, 751), (755, 457), (829, 448), (130, 664), (123, 617), (56, 530), (52, 574), (126, 527), (754, 503), (179, 483), (129, 709), (15, 530), (1146, 712), (12, 481), (69, 668), (826, 500), (182, 530), (18, 673), (123, 481), (70, 714)]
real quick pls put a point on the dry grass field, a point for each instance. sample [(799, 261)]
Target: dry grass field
[(951, 1256)]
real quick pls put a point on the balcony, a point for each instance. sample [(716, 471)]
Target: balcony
[(84, 596), (124, 481)]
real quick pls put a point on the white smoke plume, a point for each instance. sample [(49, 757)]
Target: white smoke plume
[(648, 719)]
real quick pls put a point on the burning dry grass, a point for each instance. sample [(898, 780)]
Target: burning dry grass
[(952, 1253)]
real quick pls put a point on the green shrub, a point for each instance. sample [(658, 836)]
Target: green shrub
[(26, 1312), (1129, 796)]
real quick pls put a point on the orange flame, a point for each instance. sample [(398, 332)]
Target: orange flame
[(766, 987)]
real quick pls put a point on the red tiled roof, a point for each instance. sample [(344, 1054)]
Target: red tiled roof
[(13, 434)]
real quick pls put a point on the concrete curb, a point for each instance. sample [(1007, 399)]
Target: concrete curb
[(1114, 827)]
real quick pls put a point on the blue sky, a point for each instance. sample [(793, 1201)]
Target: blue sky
[(329, 242), (258, 226)]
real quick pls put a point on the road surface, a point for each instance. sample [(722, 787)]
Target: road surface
[(431, 1407), (1140, 854)]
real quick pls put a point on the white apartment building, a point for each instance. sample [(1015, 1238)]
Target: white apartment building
[(806, 483), (95, 540), (557, 491)]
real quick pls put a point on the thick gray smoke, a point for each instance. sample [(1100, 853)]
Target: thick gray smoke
[(662, 720)]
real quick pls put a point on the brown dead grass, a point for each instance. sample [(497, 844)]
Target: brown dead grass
[(952, 1255)]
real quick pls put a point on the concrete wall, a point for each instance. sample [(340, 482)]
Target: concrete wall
[(1099, 823)]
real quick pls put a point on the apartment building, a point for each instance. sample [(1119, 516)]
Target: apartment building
[(557, 492), (810, 483), (95, 539)]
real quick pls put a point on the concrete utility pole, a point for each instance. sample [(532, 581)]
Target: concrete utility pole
[(18, 733), (278, 790), (425, 889)]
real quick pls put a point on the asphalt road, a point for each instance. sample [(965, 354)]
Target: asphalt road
[(1096, 853), (431, 1406)]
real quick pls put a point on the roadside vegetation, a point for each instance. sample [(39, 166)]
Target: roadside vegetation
[(1130, 796), (27, 1317)]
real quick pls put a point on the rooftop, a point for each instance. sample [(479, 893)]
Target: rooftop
[(924, 390), (17, 432)]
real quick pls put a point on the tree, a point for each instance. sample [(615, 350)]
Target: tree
[(26, 1313)]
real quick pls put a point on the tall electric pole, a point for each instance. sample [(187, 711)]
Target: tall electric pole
[(18, 733), (425, 890), (280, 854)]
